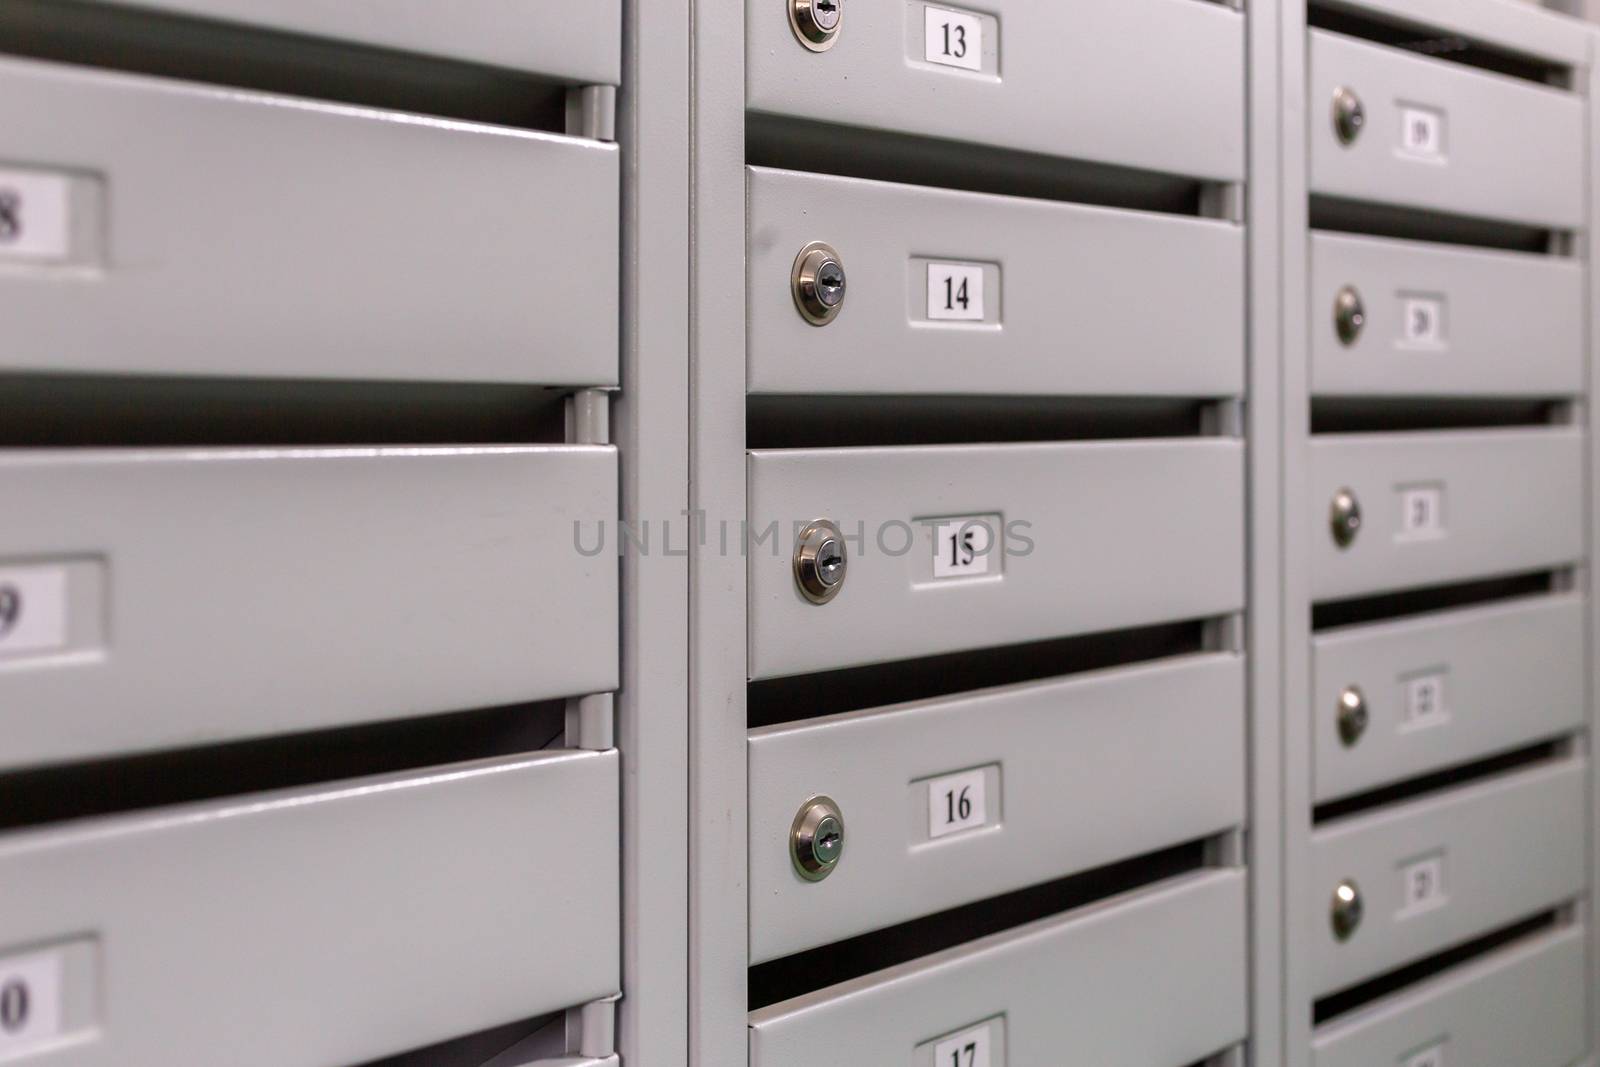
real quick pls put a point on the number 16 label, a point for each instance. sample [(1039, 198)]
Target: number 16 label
[(970, 1048), (956, 802), (955, 292)]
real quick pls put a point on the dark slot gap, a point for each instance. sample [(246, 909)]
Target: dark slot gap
[(1398, 414), (789, 977), (1355, 21), (789, 143), (779, 700), (851, 421), (1543, 752), (1384, 606), (513, 1045), (69, 411), (55, 794), (216, 53), (1334, 1005), (1385, 220)]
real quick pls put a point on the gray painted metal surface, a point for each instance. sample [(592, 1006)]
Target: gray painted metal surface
[(216, 594), (1503, 500), (330, 924), (1059, 79), (1181, 534), (1135, 318), (572, 42), (246, 234), (1447, 321), (1084, 981), (1524, 1005), (1504, 848), (1155, 752), (1488, 129), (1447, 687)]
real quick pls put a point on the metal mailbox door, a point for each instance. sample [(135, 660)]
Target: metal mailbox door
[(965, 293), (1398, 699), (243, 234), (1446, 868), (1444, 137), (1444, 321), (967, 546), (981, 784), (173, 597), (1444, 506)]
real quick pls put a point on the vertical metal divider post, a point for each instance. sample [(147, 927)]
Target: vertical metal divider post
[(1295, 599), (650, 424), (1588, 249), (718, 833), (1264, 534)]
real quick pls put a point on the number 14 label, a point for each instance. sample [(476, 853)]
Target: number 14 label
[(955, 292)]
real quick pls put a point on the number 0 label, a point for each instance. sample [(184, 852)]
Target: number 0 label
[(970, 1048), (30, 1000)]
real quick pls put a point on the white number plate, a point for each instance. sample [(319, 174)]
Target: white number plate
[(1422, 511), (1432, 1056), (1422, 132), (33, 609), (1422, 884), (952, 38), (30, 1001), (35, 215), (956, 802), (955, 292), (1423, 322), (963, 548), (1425, 700), (970, 1048)]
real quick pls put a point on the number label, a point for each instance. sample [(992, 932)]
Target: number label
[(1423, 322), (955, 292), (1432, 1056), (956, 802), (1422, 885), (970, 1048), (1422, 132), (952, 38), (963, 548), (35, 215), (1422, 512), (33, 609), (30, 1000), (1425, 701)]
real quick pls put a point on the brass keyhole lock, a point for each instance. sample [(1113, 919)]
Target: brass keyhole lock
[(1349, 316), (1352, 715), (816, 839), (820, 561), (1344, 517), (1347, 909), (1349, 116), (818, 283), (816, 22)]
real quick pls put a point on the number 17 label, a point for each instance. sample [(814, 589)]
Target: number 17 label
[(955, 292), (970, 1048)]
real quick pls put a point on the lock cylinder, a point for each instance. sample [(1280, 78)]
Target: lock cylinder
[(816, 838), (1349, 115), (818, 283), (816, 23), (820, 561)]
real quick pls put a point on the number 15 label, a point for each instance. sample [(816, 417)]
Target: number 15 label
[(952, 38), (955, 292), (970, 1048)]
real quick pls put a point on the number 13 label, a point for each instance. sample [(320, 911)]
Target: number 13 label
[(955, 292), (970, 1048), (952, 38)]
